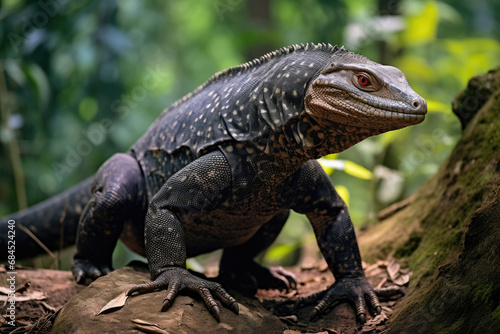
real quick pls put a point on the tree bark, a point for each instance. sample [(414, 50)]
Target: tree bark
[(449, 235)]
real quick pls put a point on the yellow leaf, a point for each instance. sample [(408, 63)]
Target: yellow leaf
[(436, 106), (330, 163), (280, 251), (356, 170), (416, 67), (422, 28), (343, 193)]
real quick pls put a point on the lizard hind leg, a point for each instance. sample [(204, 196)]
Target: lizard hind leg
[(239, 271), (117, 197)]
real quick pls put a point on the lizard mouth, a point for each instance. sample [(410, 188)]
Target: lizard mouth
[(348, 107)]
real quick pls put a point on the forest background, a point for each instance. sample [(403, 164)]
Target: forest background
[(80, 81)]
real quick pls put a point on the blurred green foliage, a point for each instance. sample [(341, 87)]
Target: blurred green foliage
[(90, 77)]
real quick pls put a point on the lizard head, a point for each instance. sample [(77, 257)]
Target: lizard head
[(362, 93)]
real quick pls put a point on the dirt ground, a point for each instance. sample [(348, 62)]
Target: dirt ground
[(42, 292)]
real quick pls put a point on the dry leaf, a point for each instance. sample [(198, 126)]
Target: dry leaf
[(401, 280), (32, 295), (379, 319), (290, 319), (148, 327), (381, 283), (393, 269), (374, 270), (387, 310), (398, 276), (4, 291), (115, 303)]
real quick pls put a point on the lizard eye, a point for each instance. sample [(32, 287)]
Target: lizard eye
[(363, 80)]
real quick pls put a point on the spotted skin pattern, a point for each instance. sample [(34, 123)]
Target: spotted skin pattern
[(223, 167)]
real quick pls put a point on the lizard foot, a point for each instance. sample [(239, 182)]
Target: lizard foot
[(355, 290), (86, 271), (250, 276), (175, 279)]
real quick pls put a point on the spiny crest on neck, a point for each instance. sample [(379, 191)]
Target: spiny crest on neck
[(257, 62)]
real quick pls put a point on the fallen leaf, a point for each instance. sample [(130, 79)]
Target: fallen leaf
[(115, 303), (4, 291), (374, 270), (397, 275), (381, 284), (393, 269), (379, 319), (387, 310), (401, 280), (32, 295), (148, 327), (367, 329), (290, 319)]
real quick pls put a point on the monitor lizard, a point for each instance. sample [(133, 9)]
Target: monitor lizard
[(223, 167)]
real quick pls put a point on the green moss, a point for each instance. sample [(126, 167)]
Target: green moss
[(456, 327), (495, 316), (454, 272), (483, 294), (410, 246)]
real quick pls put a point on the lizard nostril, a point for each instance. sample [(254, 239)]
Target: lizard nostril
[(416, 104)]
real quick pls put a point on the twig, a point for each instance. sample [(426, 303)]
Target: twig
[(389, 211), (15, 156), (34, 237), (61, 233)]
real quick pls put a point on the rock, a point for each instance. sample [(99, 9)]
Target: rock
[(187, 314)]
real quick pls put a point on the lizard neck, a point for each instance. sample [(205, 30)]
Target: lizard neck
[(303, 138)]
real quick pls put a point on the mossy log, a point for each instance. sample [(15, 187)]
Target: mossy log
[(449, 233)]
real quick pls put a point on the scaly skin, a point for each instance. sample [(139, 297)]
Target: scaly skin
[(223, 167)]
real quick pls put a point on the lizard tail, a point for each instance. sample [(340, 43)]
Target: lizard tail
[(53, 222)]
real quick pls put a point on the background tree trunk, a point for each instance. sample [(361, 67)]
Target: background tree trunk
[(449, 234)]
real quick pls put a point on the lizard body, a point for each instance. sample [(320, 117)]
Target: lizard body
[(223, 167)]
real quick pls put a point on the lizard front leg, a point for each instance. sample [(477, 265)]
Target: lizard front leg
[(334, 231), (194, 188)]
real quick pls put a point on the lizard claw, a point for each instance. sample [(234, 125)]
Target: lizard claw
[(215, 312), (166, 305), (235, 308), (176, 279), (352, 289), (86, 271)]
